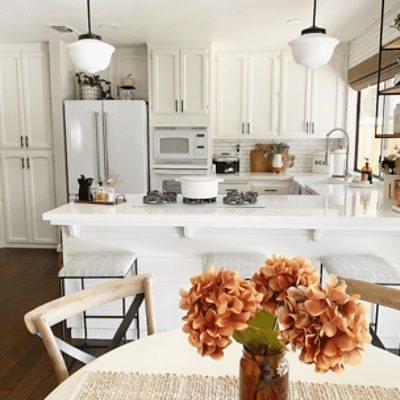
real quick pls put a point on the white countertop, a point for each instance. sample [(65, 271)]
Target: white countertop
[(337, 206)]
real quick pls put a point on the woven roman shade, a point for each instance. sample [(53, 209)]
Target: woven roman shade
[(366, 73)]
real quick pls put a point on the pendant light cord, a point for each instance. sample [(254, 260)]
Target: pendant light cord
[(314, 15), (88, 11)]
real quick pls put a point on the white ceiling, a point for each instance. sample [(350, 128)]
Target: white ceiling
[(262, 22)]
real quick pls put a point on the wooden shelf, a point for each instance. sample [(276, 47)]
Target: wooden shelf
[(393, 45), (392, 91)]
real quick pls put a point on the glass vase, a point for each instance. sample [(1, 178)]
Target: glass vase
[(264, 377)]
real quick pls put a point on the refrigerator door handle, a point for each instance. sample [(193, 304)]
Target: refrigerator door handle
[(105, 140), (96, 114)]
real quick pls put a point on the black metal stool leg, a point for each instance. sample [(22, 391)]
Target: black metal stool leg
[(321, 270), (62, 294), (84, 316), (124, 314)]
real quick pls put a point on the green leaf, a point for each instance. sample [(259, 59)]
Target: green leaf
[(263, 320), (261, 331)]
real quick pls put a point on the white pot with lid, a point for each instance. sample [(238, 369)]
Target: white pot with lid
[(199, 187)]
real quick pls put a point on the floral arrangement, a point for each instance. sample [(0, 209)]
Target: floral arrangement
[(283, 304), (112, 180), (278, 148)]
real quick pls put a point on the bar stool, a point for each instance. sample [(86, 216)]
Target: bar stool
[(367, 268), (245, 263), (100, 265)]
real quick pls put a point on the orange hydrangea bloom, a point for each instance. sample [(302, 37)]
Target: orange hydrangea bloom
[(218, 303), (326, 324), (280, 273)]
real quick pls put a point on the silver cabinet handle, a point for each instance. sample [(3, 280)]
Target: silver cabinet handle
[(242, 128), (96, 116), (22, 141), (23, 162), (105, 139), (313, 128), (248, 128), (28, 163), (307, 128), (181, 105), (26, 141), (176, 106)]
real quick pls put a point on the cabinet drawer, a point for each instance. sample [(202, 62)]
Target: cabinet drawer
[(241, 187), (271, 188)]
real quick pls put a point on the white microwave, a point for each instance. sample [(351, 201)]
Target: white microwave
[(177, 145)]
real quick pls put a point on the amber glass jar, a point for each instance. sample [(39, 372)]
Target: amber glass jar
[(264, 377), (397, 192)]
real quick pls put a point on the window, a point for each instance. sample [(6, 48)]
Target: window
[(367, 146)]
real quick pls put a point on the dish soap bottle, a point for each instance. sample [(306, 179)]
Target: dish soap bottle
[(367, 170)]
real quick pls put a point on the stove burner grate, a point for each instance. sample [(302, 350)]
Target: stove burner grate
[(156, 197), (186, 200), (234, 197)]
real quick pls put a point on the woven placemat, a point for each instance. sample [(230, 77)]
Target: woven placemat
[(135, 386)]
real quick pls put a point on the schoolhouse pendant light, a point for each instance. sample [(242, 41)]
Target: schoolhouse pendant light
[(90, 54), (314, 47)]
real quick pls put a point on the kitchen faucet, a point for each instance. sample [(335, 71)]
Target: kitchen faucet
[(346, 172)]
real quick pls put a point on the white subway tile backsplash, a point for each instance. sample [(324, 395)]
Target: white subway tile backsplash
[(302, 149)]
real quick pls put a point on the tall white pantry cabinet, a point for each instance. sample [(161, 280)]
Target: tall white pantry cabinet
[(26, 148)]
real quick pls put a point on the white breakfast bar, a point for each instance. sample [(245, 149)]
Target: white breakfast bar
[(171, 240)]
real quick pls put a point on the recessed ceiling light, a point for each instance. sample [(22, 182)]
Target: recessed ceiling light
[(109, 26), (294, 21)]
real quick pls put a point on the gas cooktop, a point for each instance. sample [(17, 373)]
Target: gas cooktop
[(231, 199)]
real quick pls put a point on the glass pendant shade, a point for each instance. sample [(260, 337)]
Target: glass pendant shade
[(313, 49), (90, 55)]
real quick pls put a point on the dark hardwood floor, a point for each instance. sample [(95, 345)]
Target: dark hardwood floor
[(28, 278)]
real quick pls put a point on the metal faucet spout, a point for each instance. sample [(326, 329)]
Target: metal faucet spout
[(346, 172)]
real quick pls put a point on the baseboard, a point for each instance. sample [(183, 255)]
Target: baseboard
[(29, 246)]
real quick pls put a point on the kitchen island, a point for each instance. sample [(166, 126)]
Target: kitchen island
[(171, 240)]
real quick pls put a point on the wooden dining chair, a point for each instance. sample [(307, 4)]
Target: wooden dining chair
[(375, 294), (40, 320)]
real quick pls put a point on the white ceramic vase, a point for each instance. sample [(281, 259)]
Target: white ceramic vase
[(277, 161)]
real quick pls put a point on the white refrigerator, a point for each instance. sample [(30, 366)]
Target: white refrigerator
[(104, 138)]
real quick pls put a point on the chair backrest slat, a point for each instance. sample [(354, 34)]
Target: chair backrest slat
[(373, 293), (41, 319)]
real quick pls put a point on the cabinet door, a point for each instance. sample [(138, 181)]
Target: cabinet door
[(165, 81), (329, 96), (36, 78), (231, 94), (262, 104), (15, 197), (193, 84), (295, 98), (40, 172), (11, 105)]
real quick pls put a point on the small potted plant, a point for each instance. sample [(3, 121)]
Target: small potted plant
[(277, 151), (91, 86)]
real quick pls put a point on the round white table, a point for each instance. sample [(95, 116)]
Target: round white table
[(170, 352)]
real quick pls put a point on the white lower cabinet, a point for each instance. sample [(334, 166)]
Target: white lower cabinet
[(28, 191)]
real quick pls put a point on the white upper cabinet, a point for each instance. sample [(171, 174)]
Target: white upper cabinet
[(25, 100), (12, 129), (312, 101), (165, 81), (36, 88), (247, 90), (231, 94), (193, 81), (295, 97), (262, 87), (329, 96), (179, 81)]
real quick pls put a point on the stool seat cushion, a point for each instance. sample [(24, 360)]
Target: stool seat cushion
[(368, 268), (245, 263), (101, 264)]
